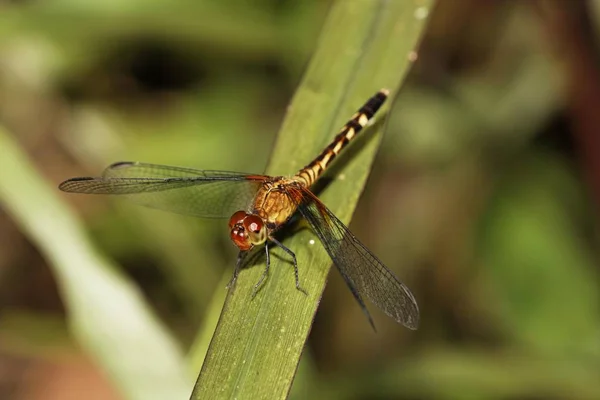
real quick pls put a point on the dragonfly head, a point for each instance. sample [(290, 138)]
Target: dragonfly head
[(247, 230)]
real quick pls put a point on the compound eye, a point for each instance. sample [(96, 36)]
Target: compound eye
[(253, 223), (240, 238), (237, 218)]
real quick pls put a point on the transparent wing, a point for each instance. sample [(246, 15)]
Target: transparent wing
[(208, 194), (364, 273)]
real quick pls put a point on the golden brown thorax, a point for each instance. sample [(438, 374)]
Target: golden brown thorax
[(271, 208), (273, 204)]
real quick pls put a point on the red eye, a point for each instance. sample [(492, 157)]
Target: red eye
[(240, 238), (253, 223), (237, 218)]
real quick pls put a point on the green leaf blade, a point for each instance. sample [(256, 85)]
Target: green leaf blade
[(365, 45), (107, 313)]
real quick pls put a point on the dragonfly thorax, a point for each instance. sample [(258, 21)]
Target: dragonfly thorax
[(247, 230)]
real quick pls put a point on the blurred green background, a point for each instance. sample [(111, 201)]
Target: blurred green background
[(482, 198)]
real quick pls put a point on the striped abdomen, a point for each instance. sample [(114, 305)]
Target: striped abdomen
[(309, 174)]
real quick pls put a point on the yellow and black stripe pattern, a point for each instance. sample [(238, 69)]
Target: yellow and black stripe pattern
[(309, 174)]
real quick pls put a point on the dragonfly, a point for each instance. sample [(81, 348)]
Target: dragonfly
[(260, 205)]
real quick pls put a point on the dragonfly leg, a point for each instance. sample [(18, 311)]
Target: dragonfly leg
[(238, 266), (291, 253), (264, 275)]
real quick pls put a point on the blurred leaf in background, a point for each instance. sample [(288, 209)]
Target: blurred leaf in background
[(484, 194)]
